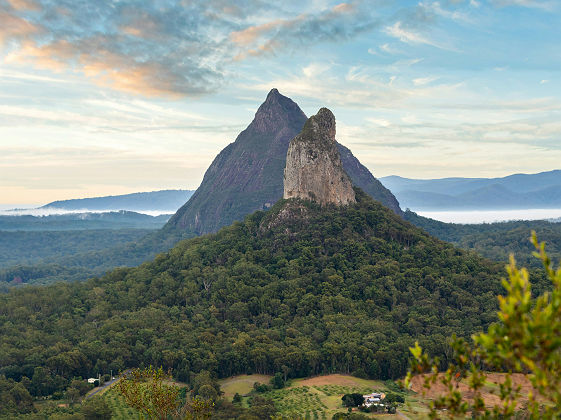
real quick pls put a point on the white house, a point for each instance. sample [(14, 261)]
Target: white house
[(373, 399)]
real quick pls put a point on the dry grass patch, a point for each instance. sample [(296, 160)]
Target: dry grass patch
[(489, 392), (241, 384)]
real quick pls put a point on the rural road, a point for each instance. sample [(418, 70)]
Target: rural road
[(403, 416), (102, 387)]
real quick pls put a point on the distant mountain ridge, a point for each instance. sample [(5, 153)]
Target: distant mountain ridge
[(121, 219), (247, 175), (518, 191), (163, 200)]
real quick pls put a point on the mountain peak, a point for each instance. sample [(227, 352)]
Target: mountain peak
[(313, 164), (277, 110), (247, 175), (321, 127), (272, 93)]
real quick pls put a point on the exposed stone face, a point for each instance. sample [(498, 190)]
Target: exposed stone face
[(247, 175), (313, 165)]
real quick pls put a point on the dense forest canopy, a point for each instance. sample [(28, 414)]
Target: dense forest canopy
[(17, 248), (316, 290), (496, 241), (75, 255)]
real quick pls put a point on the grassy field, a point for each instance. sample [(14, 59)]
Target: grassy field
[(315, 398), (241, 384), (310, 398)]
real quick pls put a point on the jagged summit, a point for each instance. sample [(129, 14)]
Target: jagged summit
[(276, 111), (247, 175), (313, 165)]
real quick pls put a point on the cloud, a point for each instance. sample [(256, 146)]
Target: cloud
[(545, 5), (336, 24), (410, 36), (173, 49), (16, 28), (142, 49), (23, 4), (187, 48), (420, 81)]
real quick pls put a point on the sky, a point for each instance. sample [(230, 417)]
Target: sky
[(111, 97)]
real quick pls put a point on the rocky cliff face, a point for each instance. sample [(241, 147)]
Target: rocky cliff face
[(247, 175), (313, 165)]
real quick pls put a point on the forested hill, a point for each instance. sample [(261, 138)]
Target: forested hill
[(336, 289), (496, 240)]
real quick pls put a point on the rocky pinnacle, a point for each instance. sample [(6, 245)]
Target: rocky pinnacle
[(313, 165)]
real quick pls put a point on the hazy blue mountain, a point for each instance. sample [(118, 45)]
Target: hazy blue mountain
[(519, 191), (164, 200)]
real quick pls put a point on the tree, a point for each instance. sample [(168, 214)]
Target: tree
[(277, 381), (145, 390), (72, 394), (207, 392), (148, 390), (237, 399), (96, 408), (14, 397), (526, 339), (352, 400), (392, 397)]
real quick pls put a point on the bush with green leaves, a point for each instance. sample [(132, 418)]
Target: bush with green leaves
[(352, 400), (526, 339), (96, 408)]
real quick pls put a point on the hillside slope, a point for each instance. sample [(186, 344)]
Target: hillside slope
[(496, 240), (318, 290)]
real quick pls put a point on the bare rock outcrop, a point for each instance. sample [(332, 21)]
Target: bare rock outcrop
[(313, 165)]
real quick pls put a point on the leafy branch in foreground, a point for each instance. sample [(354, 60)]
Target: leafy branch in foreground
[(151, 392), (526, 339)]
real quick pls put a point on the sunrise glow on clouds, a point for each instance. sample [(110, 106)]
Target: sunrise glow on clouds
[(107, 97)]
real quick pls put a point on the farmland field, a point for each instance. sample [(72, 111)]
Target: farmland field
[(121, 411), (310, 398), (241, 384)]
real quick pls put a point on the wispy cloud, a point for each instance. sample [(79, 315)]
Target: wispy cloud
[(546, 5), (421, 81), (172, 49), (410, 36), (188, 48), (336, 24)]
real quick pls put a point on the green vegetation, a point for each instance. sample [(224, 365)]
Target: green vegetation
[(496, 241), (354, 399), (296, 401), (525, 339), (49, 257), (318, 290), (150, 392), (97, 408), (24, 248), (82, 221), (14, 397)]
